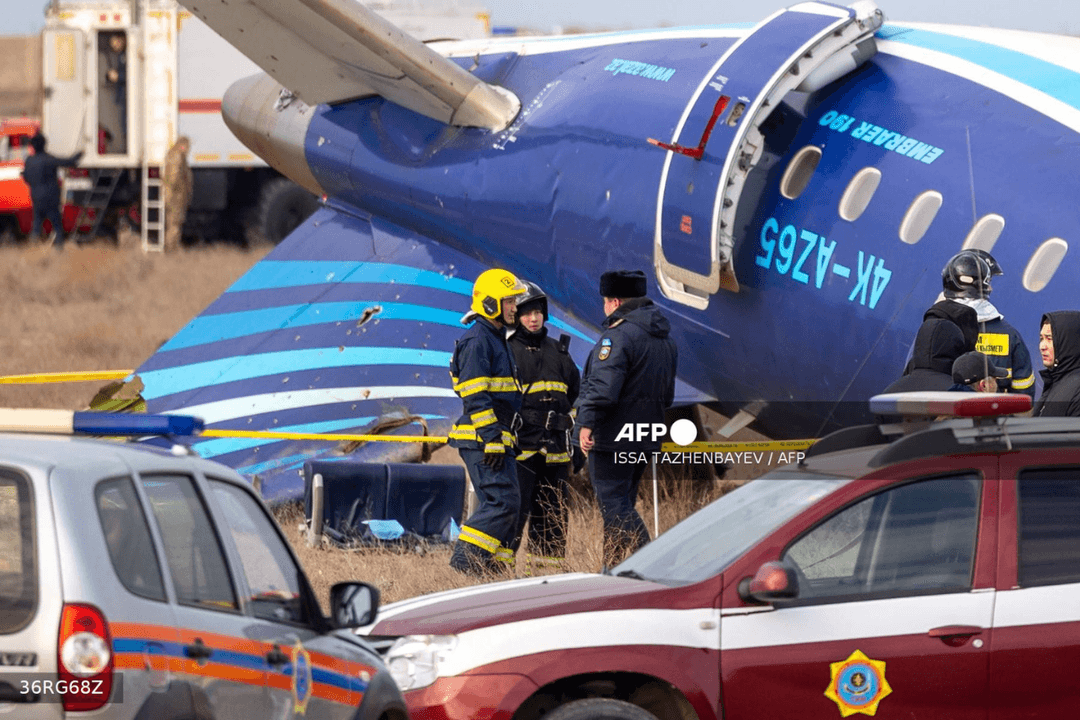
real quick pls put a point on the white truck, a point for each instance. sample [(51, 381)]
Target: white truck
[(124, 79)]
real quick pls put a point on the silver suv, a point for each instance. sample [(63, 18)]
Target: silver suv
[(143, 582)]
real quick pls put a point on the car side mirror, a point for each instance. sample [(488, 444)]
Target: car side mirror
[(772, 581), (353, 604)]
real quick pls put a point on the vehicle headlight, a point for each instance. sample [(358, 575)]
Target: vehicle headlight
[(414, 660)]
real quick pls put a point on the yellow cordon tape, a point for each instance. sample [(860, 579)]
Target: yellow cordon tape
[(755, 446), (668, 447), (59, 377), (331, 437)]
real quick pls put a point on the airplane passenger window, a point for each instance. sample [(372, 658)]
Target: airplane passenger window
[(859, 192), (799, 171), (1044, 263), (985, 233), (919, 216)]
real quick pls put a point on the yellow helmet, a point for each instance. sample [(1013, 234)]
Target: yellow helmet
[(491, 288)]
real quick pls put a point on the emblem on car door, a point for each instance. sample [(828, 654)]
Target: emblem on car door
[(301, 678), (857, 684)]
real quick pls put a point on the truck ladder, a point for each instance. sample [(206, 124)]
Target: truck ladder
[(159, 23), (92, 210), (153, 209)]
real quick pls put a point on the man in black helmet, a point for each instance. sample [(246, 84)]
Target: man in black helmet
[(629, 379), (966, 279), (549, 382)]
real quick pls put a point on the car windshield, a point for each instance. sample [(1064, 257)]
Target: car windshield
[(708, 541)]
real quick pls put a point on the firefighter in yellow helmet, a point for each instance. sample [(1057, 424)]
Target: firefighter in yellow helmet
[(484, 376)]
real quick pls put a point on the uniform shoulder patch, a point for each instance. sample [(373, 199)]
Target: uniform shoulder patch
[(605, 349)]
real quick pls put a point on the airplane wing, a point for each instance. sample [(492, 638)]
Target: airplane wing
[(329, 51)]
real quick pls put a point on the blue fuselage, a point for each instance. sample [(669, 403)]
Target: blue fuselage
[(827, 307)]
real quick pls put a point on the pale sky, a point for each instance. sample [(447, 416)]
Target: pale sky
[(1061, 16)]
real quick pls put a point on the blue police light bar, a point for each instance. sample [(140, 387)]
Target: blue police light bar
[(131, 424), (951, 403), (66, 422)]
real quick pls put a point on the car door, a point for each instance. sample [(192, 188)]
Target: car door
[(310, 674), (140, 617), (1036, 649), (225, 666), (886, 616)]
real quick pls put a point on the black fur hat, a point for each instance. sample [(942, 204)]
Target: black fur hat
[(622, 284)]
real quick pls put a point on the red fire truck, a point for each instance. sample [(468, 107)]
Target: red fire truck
[(16, 210)]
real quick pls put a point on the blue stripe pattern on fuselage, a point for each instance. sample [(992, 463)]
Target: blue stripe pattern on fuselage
[(174, 380), (207, 329), (272, 274), (437, 378), (1057, 82)]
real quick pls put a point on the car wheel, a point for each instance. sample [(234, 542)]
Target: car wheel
[(599, 709)]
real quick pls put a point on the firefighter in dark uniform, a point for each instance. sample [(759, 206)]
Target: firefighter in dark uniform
[(629, 379), (550, 381), (966, 279), (482, 370)]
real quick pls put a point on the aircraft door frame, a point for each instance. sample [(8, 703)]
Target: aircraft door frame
[(803, 48)]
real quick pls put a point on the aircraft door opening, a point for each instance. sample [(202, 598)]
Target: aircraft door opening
[(717, 141)]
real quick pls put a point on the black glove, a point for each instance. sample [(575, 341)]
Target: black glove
[(577, 459), (495, 461)]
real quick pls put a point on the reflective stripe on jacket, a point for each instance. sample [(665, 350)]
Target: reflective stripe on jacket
[(485, 378), (550, 381)]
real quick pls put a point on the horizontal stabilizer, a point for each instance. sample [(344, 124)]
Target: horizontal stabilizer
[(345, 328), (328, 51)]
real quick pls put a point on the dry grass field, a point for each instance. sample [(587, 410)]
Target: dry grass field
[(408, 571), (99, 307), (103, 307)]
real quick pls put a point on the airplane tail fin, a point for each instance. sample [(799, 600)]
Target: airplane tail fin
[(336, 50)]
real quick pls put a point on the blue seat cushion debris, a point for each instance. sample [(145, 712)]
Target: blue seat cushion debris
[(369, 502)]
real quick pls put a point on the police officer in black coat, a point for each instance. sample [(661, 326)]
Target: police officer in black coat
[(549, 382), (1059, 346), (629, 379)]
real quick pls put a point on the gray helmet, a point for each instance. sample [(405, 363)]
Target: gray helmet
[(967, 275), (534, 294)]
